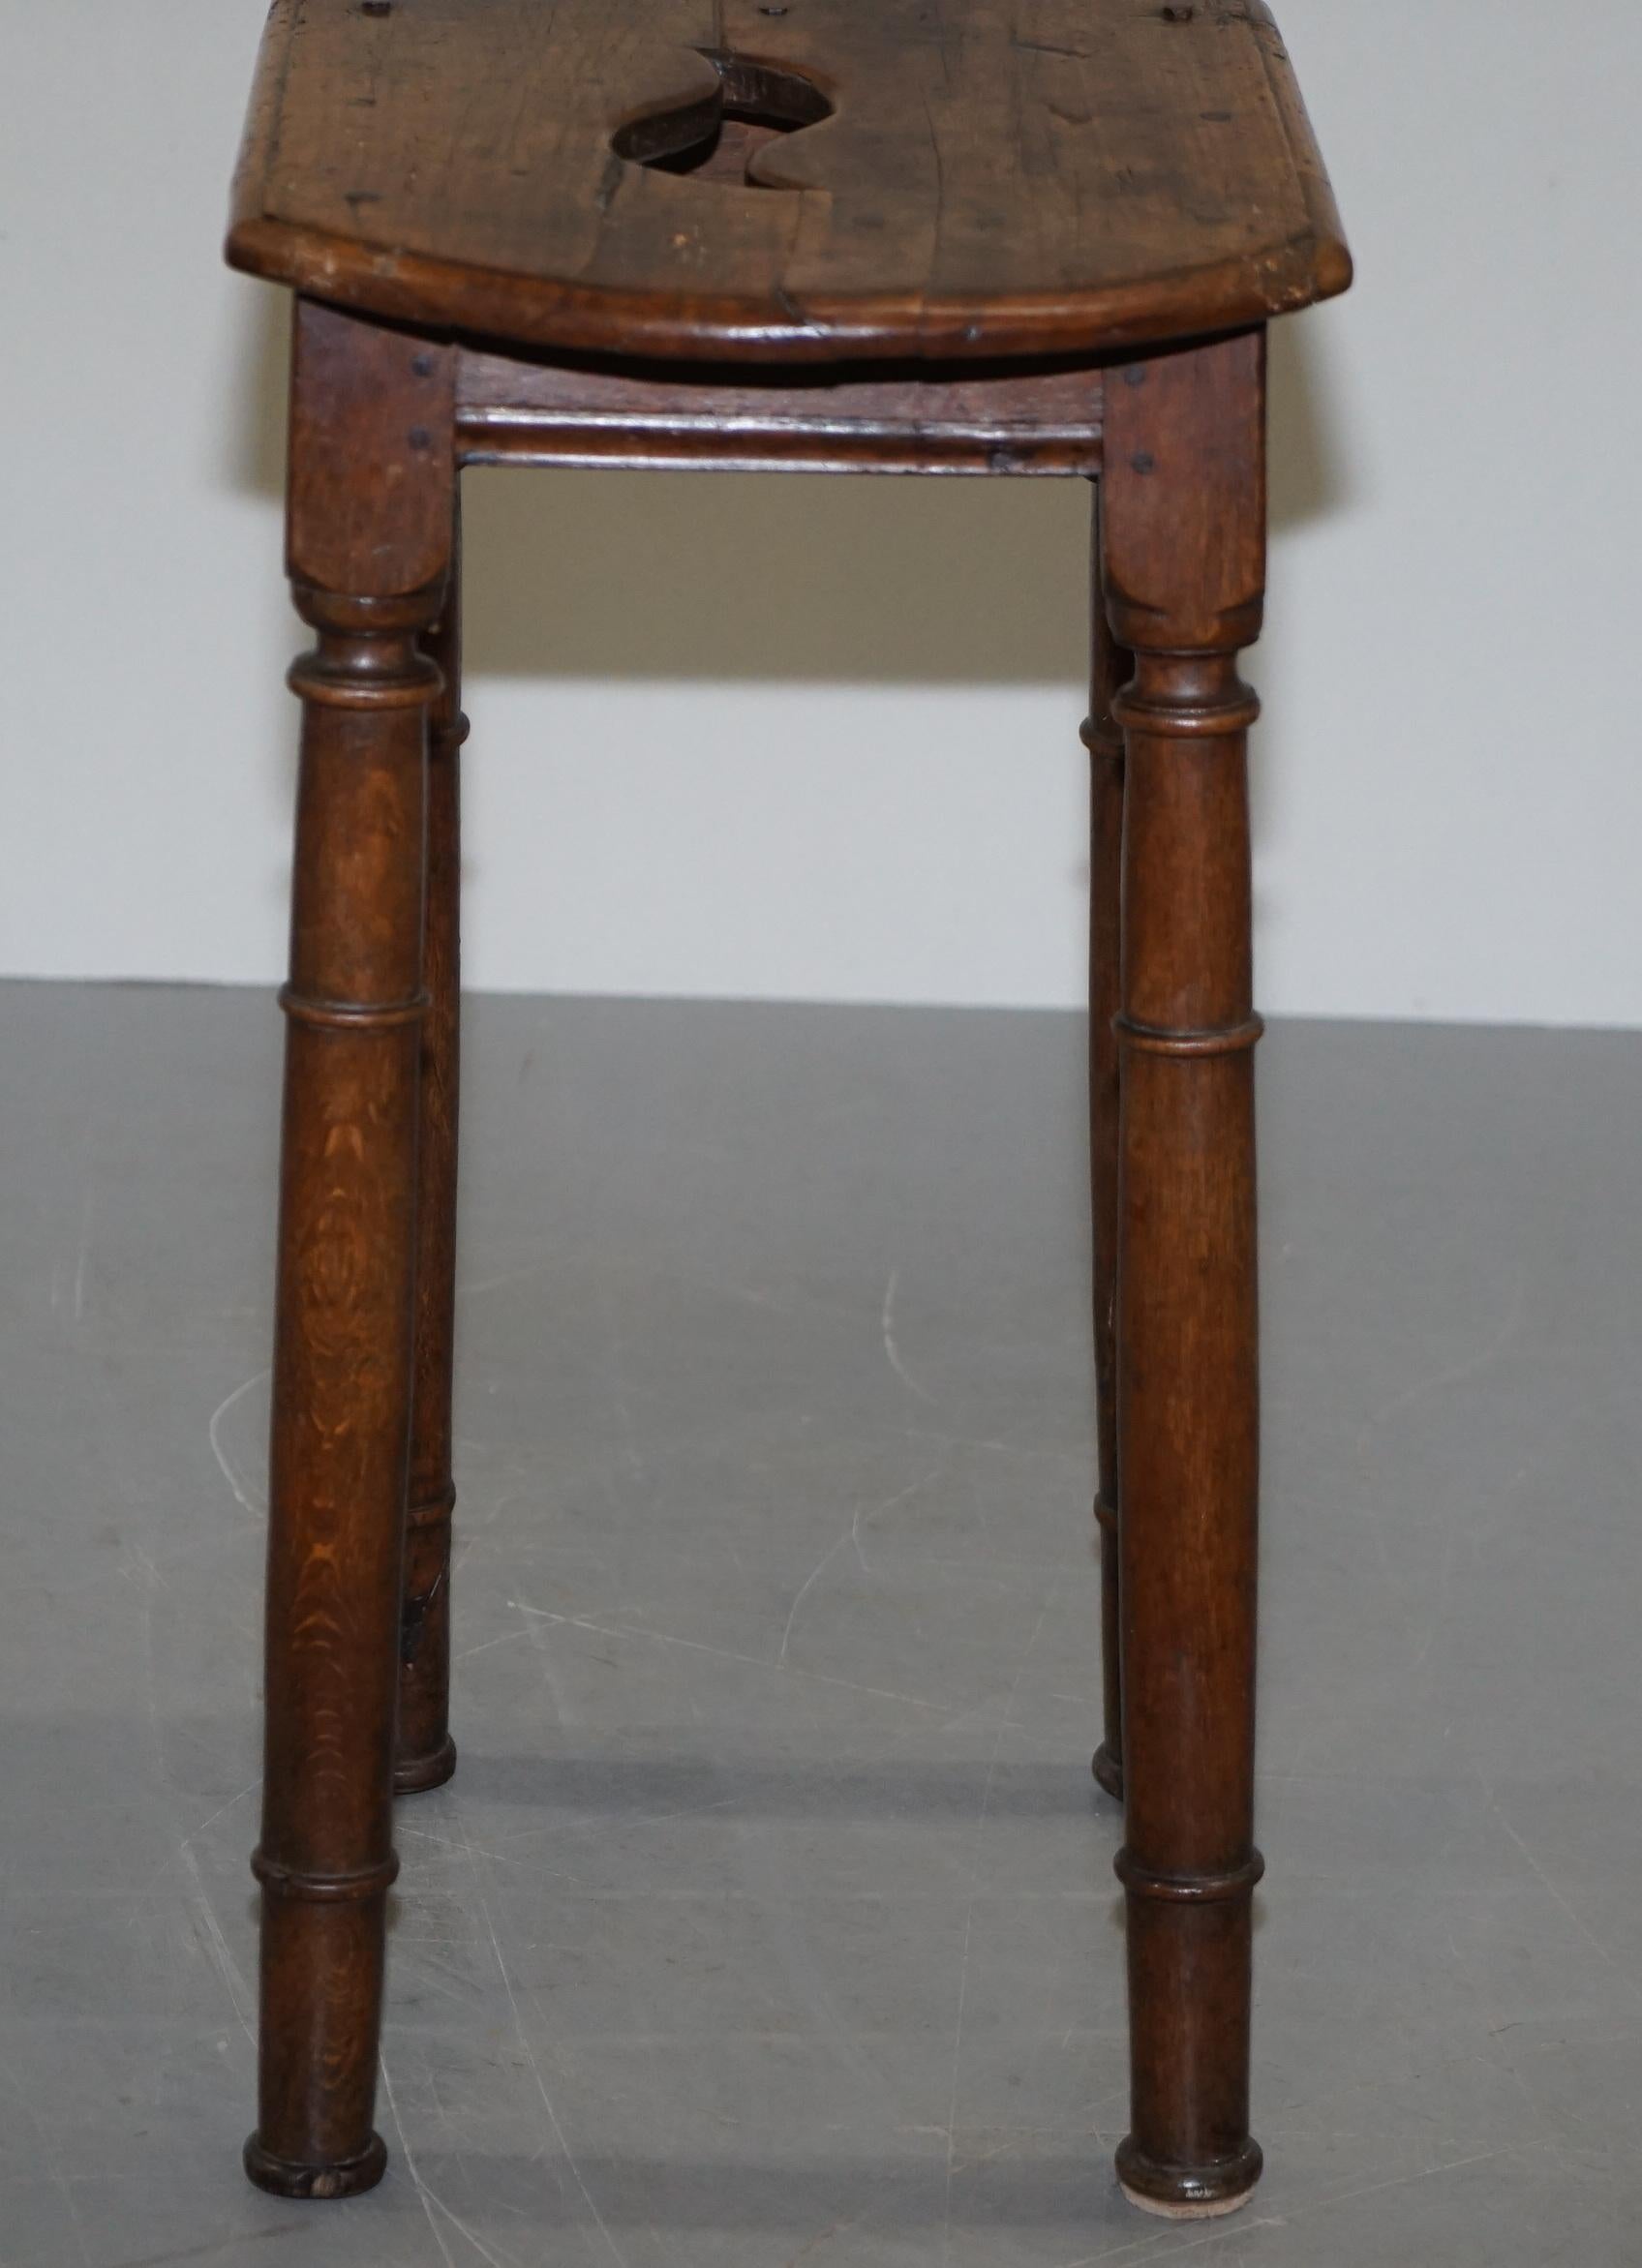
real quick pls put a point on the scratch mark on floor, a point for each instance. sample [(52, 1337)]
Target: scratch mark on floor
[(1593, 1942), (1455, 1373), (540, 1645), (213, 2251), (87, 1207), (561, 1831), (1135, 2246), (865, 1515), (1396, 2181), (821, 2237), (217, 1944), (529, 2053), (886, 1324), (238, 1797), (502, 1638), (420, 2186), (46, 2133), (803, 1590), (1071, 1455), (257, 1507), (727, 1655), (498, 1283)]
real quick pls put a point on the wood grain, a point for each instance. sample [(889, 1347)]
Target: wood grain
[(1185, 531), (368, 543), (992, 176), (1016, 416)]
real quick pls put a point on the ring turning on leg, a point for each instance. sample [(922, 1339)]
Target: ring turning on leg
[(1184, 560), (368, 546)]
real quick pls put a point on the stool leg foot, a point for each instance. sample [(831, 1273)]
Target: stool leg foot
[(1186, 2192), (1184, 546), (1107, 1770), (1108, 667), (348, 2177), (426, 1755), (369, 511)]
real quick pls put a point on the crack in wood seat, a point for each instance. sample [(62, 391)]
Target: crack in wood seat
[(976, 180)]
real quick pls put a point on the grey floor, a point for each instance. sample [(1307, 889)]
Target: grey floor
[(770, 1919)]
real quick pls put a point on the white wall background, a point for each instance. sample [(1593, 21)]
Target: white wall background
[(817, 737)]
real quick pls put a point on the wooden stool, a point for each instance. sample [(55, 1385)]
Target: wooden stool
[(843, 235)]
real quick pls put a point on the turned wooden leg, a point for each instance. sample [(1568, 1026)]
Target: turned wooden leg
[(427, 1754), (1108, 667), (368, 543), (1184, 561)]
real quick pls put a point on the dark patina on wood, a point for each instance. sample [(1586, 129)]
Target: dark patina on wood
[(987, 179), (1033, 417), (1034, 239), (426, 1751), (1185, 579), (369, 524), (1109, 668)]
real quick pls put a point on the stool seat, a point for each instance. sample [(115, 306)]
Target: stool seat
[(815, 181)]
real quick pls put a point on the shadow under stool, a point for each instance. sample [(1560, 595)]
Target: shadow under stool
[(1038, 238)]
